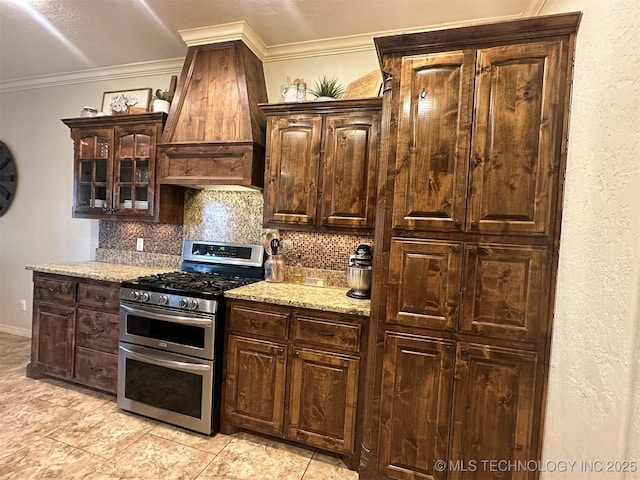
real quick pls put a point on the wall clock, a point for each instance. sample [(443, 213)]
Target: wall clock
[(8, 178)]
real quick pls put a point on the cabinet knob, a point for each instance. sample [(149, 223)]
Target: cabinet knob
[(473, 250), (280, 352), (51, 289), (296, 354), (474, 224), (68, 312), (478, 159), (457, 224), (456, 249)]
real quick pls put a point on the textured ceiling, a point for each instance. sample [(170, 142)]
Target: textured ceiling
[(48, 37)]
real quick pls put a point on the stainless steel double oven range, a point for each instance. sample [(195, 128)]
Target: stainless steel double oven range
[(171, 334)]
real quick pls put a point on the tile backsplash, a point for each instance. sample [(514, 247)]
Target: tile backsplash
[(228, 216)]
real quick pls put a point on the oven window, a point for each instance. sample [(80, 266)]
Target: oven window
[(164, 388), (166, 331)]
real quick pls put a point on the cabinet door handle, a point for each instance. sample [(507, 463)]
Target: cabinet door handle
[(326, 334), (100, 297), (256, 323), (68, 312), (98, 330), (95, 369)]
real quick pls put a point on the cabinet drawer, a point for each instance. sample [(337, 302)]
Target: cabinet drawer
[(96, 369), (101, 296), (54, 290), (272, 324), (323, 332), (97, 330)]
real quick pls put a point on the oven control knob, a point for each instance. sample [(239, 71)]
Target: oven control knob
[(135, 295), (183, 303), (144, 297), (193, 304), (163, 300)]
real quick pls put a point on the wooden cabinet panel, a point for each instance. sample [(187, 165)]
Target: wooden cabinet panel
[(293, 159), (47, 290), (433, 141), (324, 392), (493, 410), (97, 330), (99, 296), (52, 339), (259, 322), (424, 283), (504, 292), (415, 408), (349, 170), (515, 148), (324, 332), (255, 384), (322, 158), (96, 369)]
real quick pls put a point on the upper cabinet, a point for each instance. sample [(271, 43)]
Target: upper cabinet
[(321, 164), (115, 170), (479, 138)]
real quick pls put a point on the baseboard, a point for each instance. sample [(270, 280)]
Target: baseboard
[(21, 332)]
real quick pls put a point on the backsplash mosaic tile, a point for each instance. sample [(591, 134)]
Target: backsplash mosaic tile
[(158, 238), (320, 250), (225, 216)]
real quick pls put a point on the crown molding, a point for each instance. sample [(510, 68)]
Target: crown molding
[(132, 70), (534, 8), (225, 32)]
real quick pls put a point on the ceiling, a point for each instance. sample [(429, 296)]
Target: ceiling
[(51, 37)]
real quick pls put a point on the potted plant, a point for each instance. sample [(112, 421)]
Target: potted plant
[(327, 89), (161, 101)]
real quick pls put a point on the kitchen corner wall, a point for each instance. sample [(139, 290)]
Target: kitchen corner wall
[(228, 216)]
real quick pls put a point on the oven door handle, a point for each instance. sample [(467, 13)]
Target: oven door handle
[(198, 322), (184, 366)]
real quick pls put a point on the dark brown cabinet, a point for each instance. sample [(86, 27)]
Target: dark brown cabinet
[(508, 154), (321, 164), (467, 234), (75, 330), (115, 170), (294, 374)]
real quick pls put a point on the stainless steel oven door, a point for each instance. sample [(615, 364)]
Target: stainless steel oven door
[(176, 331), (165, 386)]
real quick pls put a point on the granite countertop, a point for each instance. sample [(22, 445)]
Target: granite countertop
[(108, 272), (330, 299)]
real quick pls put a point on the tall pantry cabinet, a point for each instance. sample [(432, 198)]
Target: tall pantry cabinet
[(473, 153)]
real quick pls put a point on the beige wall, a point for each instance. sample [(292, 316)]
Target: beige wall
[(591, 413)]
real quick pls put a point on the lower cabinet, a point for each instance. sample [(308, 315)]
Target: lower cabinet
[(294, 374), (75, 330), (454, 402)]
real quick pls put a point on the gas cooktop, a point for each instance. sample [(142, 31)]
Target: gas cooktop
[(204, 285)]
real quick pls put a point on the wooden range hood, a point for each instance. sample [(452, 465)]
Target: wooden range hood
[(215, 132)]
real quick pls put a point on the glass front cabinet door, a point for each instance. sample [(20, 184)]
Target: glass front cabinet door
[(93, 152), (114, 169)]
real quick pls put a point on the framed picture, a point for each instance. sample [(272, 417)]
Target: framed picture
[(119, 103)]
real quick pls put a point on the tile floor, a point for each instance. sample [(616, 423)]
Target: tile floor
[(51, 429)]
